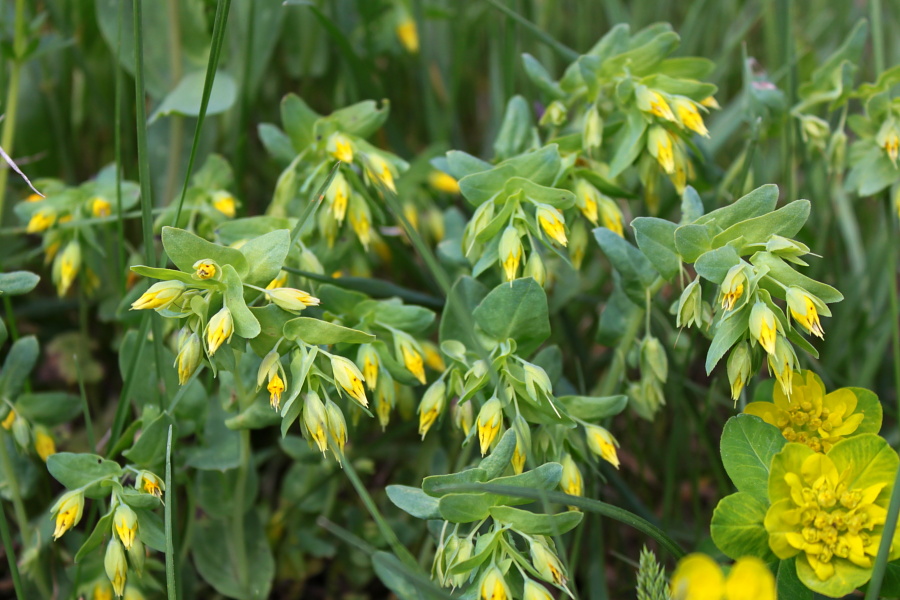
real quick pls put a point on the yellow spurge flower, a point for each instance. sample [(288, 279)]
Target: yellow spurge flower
[(611, 215), (338, 196), (100, 207), (41, 221), (102, 591), (804, 308), (572, 482), (361, 220), (125, 523), (340, 147), (408, 34), (490, 418), (432, 405), (812, 417), (225, 203), (602, 443), (889, 138), (739, 367), (316, 421), (534, 268), (349, 378), (66, 267), (552, 222), (67, 512), (368, 362), (781, 364), (8, 421), (547, 564), (219, 330), (279, 281), (510, 252), (205, 268), (115, 566), (829, 510), (149, 483), (535, 591), (659, 144), (291, 299), (587, 198), (432, 357), (160, 295), (463, 416), (493, 586), (337, 427), (699, 577), (44, 444), (688, 115), (764, 326), (733, 285), (378, 169), (188, 358), (443, 182), (409, 352), (651, 101)]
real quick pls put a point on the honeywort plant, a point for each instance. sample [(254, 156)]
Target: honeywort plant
[(473, 375)]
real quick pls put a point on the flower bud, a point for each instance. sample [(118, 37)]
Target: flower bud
[(149, 483), (888, 137), (338, 196), (523, 443), (463, 416), (44, 444), (781, 364), (41, 221), (442, 182), (125, 524), (739, 367), (464, 551), (292, 300), (555, 114), (510, 252), (578, 243), (651, 101), (537, 382), (803, 308), (368, 362), (315, 421), (733, 286), (225, 203), (571, 483), (115, 566), (431, 406), (66, 267), (21, 432), (814, 131), (490, 417), (690, 305), (337, 426), (67, 511), (378, 169), (100, 207), (587, 198), (547, 564), (493, 586), (611, 215), (764, 326), (219, 330), (688, 115), (534, 268), (407, 33), (409, 352), (136, 556), (602, 443), (160, 296), (837, 151), (592, 130), (653, 359), (188, 358), (535, 591), (340, 147), (349, 378), (659, 144), (205, 268), (361, 220), (482, 217), (552, 222)]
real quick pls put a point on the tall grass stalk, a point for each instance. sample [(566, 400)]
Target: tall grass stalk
[(7, 140)]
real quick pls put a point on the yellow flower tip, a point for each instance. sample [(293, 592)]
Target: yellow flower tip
[(33, 198), (275, 389), (126, 524), (697, 577), (892, 146), (748, 579), (551, 221), (68, 510), (219, 330), (433, 358), (510, 252), (378, 169), (659, 143), (8, 421), (589, 209), (149, 483), (412, 360), (431, 406), (535, 591), (763, 326), (443, 182), (733, 286), (689, 116), (115, 566), (493, 586), (100, 207), (44, 445), (660, 108), (66, 267), (41, 221), (490, 417), (572, 482), (803, 309), (337, 428), (188, 358), (361, 223), (603, 444), (279, 281), (408, 35), (205, 269), (547, 564), (370, 370), (159, 295), (292, 299), (348, 376), (225, 204), (518, 458), (710, 102), (340, 147)]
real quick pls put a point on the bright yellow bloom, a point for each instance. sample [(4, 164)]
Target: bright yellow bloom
[(809, 416), (160, 295), (510, 252), (188, 358), (41, 221), (493, 586), (431, 406), (279, 281), (699, 577), (659, 144), (225, 203), (338, 195), (67, 511), (275, 389), (764, 326), (653, 102), (126, 524), (291, 299), (547, 564), (586, 198), (408, 34), (802, 306), (66, 267), (443, 182), (552, 222), (8, 421), (44, 445), (367, 360), (219, 330), (149, 483), (689, 115), (572, 482), (602, 443), (432, 356), (379, 169), (316, 421), (340, 147), (733, 286), (115, 566), (205, 269), (349, 378), (337, 427), (490, 418), (100, 207), (519, 456), (710, 102), (410, 352)]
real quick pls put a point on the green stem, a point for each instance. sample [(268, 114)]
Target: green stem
[(237, 524), (14, 491), (884, 548), (876, 16), (170, 541), (561, 49), (10, 318), (141, 121), (12, 96), (10, 555), (117, 136)]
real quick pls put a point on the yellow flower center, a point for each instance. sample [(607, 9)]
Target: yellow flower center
[(101, 208), (812, 425), (275, 389), (206, 270), (892, 146)]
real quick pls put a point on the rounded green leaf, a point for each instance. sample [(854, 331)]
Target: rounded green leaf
[(747, 447), (414, 501), (738, 528), (185, 249)]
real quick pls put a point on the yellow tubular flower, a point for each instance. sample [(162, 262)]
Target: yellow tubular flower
[(602, 443), (443, 182), (764, 326), (275, 388), (225, 203), (510, 252), (547, 564), (408, 34), (100, 207), (378, 169), (710, 102), (689, 115), (586, 198), (349, 378), (279, 281), (102, 591), (552, 222), (67, 511), (781, 364), (490, 417), (316, 421), (433, 358), (410, 353), (337, 427), (338, 195), (115, 566), (149, 483), (44, 445), (572, 482), (384, 399), (361, 221), (8, 421), (188, 358), (205, 269), (739, 366), (611, 215), (291, 299), (340, 147), (219, 330), (659, 144), (126, 524), (66, 267), (431, 406), (653, 102), (802, 307), (367, 360), (733, 286), (493, 586), (41, 221)]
